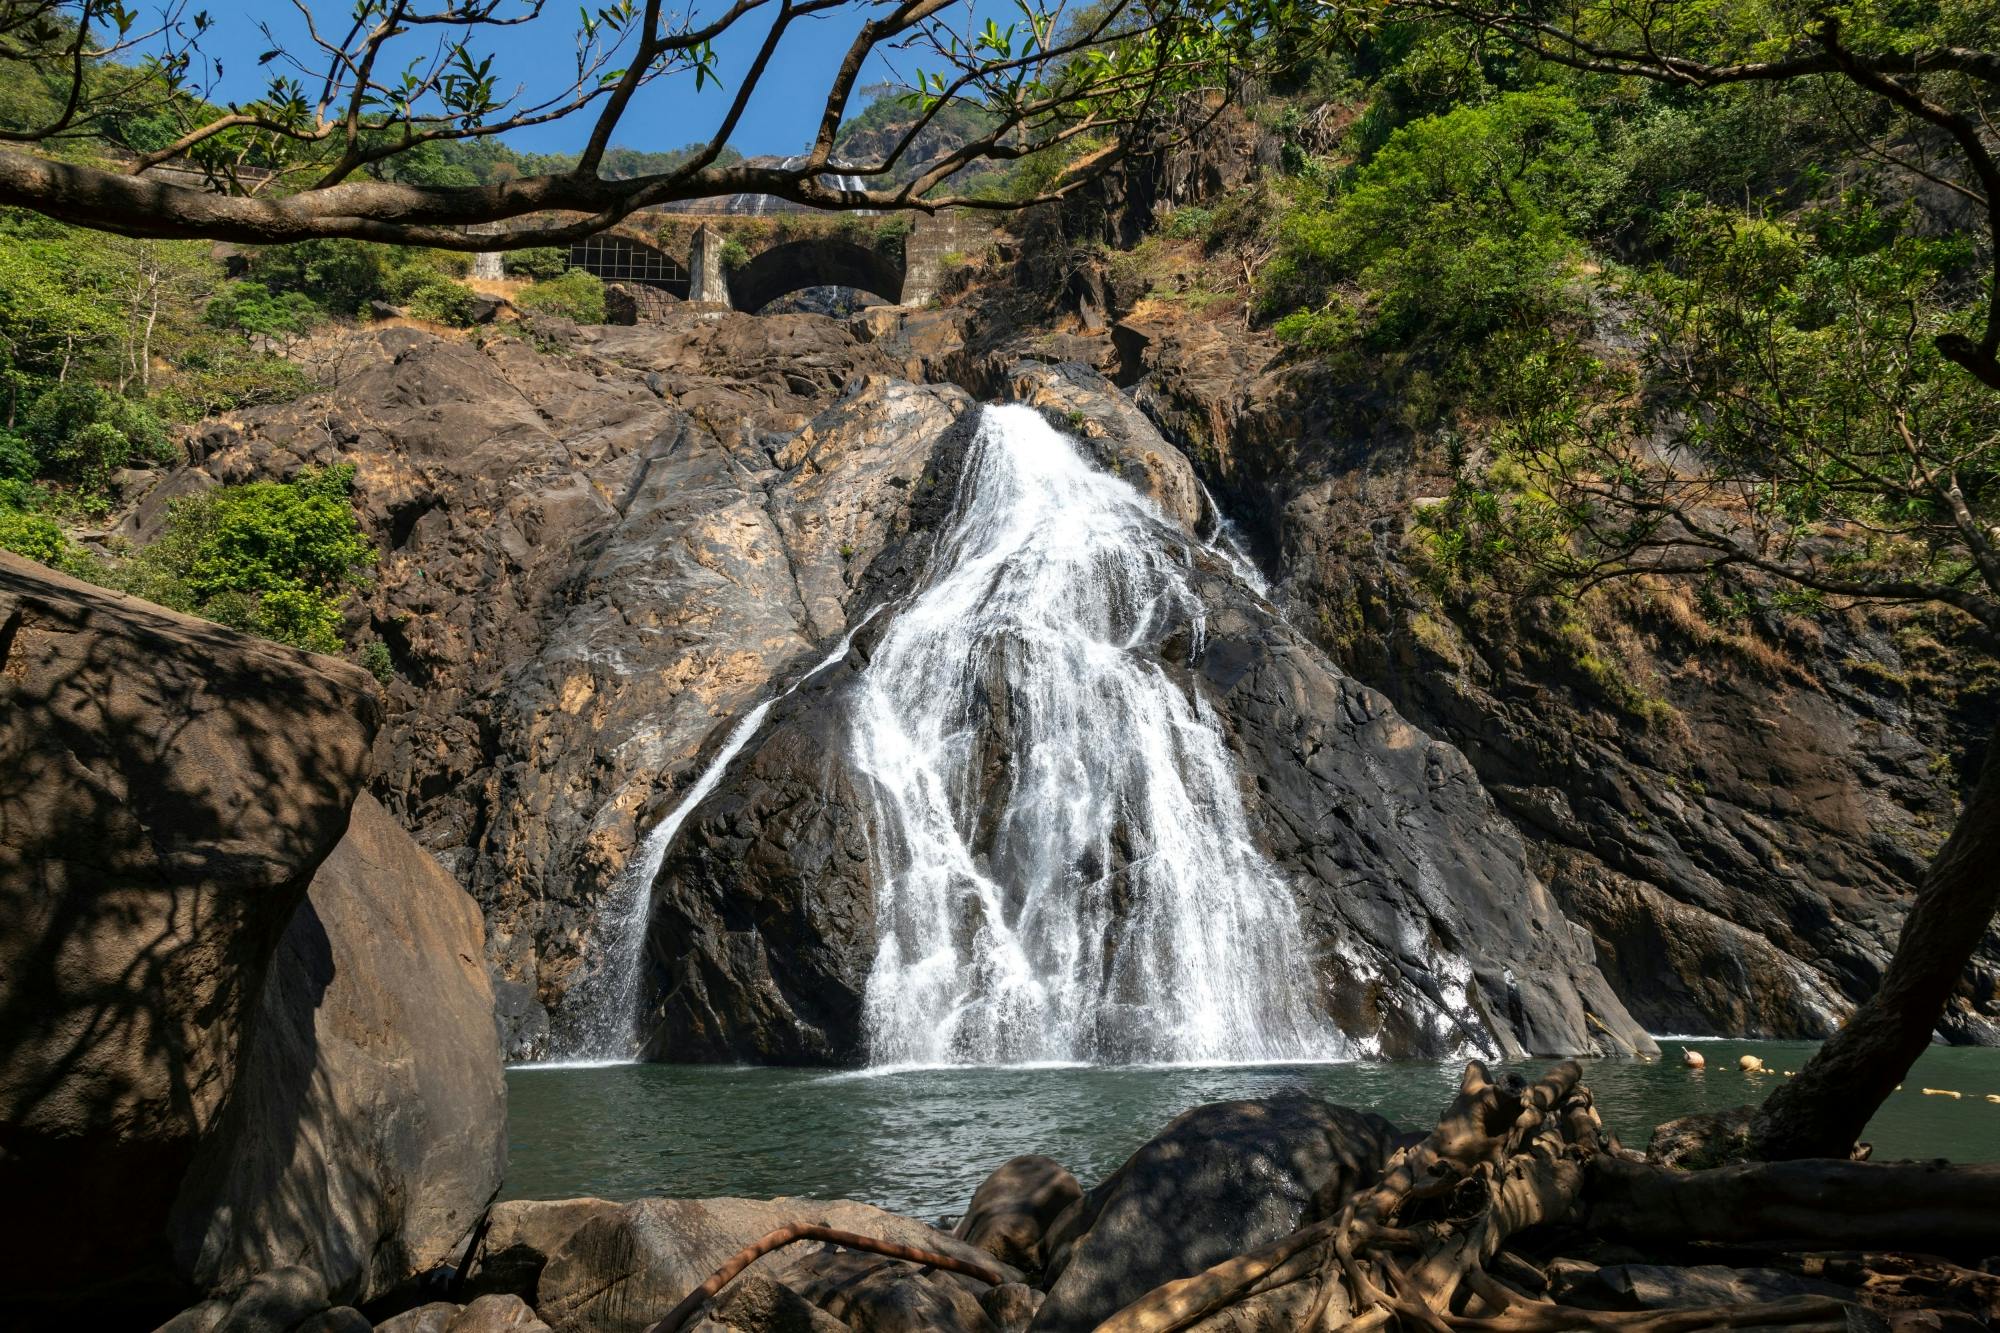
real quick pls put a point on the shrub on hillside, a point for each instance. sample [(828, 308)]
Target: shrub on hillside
[(576, 295), (1463, 224), (274, 558), (537, 263), (435, 297), (80, 433)]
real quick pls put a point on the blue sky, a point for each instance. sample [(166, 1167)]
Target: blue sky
[(781, 118)]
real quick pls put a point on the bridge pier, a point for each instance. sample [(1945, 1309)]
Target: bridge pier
[(708, 280), (933, 237)]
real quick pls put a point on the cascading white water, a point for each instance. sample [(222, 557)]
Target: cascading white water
[(1065, 866), (605, 1004)]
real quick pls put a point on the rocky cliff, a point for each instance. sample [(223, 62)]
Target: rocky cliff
[(1429, 933), (601, 549), (1736, 810)]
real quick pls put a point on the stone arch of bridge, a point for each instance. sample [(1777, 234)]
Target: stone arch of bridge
[(814, 261)]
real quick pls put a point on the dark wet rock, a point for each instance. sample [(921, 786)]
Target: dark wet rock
[(762, 926), (1082, 403), (755, 1304), (1435, 934), (168, 789), (1013, 1207), (367, 1131), (1011, 1306), (620, 1272), (1431, 933), (276, 1302), (873, 1294), (523, 1022), (521, 1237), (1219, 1180), (1704, 1139), (1740, 839)]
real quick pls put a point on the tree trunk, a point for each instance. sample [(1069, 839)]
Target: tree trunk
[(1823, 1111), (1952, 1211)]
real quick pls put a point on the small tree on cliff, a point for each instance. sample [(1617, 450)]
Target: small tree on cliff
[(1822, 415), (381, 84)]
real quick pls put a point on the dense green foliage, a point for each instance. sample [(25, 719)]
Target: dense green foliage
[(275, 558), (106, 343), (1647, 326), (576, 295)]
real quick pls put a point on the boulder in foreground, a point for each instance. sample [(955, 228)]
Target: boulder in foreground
[(621, 1272), (1219, 1180), (167, 790), (369, 1126)]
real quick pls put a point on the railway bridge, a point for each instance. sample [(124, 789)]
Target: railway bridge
[(748, 261)]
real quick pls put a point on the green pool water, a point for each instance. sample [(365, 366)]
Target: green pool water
[(919, 1141)]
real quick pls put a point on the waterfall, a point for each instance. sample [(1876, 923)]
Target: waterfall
[(606, 1002), (1065, 869)]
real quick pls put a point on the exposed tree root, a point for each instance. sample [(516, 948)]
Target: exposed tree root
[(757, 1249), (1423, 1249)]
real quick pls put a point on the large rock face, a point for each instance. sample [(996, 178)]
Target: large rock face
[(1429, 933), (1736, 812), (620, 1272), (168, 789), (598, 558), (368, 1129), (591, 557)]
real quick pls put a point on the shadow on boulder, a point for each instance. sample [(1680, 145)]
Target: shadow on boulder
[(1219, 1180)]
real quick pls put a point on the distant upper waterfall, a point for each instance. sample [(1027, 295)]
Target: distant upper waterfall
[(1065, 867)]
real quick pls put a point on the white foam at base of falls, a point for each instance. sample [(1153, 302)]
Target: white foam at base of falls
[(1065, 869)]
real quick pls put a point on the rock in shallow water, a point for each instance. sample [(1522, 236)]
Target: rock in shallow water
[(1219, 1180), (1012, 1209)]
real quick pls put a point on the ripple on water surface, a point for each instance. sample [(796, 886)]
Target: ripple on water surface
[(918, 1141)]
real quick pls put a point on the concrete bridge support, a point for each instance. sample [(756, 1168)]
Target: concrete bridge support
[(708, 280), (933, 238)]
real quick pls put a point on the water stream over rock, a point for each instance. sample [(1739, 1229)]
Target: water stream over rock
[(1067, 868), (606, 1003)]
